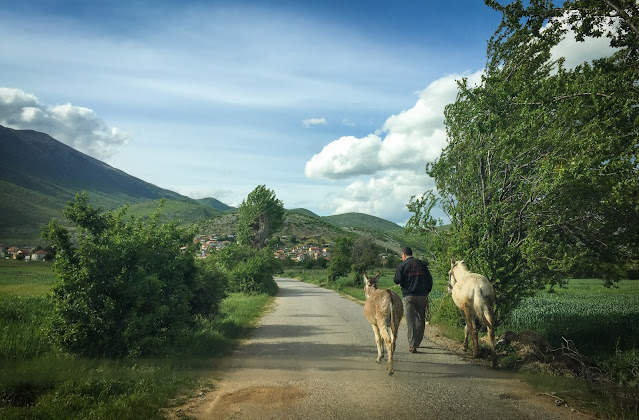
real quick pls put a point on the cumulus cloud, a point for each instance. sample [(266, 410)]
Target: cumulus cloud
[(411, 138), (384, 195), (389, 164), (74, 126), (346, 157), (314, 121)]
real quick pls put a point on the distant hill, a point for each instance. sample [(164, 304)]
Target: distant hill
[(362, 221), (305, 212), (214, 203), (39, 175)]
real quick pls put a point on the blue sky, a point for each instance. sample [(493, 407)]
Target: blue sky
[(335, 105)]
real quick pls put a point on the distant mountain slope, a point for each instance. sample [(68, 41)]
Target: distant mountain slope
[(305, 212), (214, 203), (38, 162), (39, 175), (185, 211), (362, 221)]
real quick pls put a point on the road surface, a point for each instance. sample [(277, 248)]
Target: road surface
[(313, 357)]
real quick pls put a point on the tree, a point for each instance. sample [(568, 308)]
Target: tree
[(340, 262), (540, 177), (130, 287), (364, 256), (260, 215)]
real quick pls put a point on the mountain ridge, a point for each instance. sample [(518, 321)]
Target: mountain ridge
[(41, 174)]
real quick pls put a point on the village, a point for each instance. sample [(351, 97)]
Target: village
[(296, 252), (26, 254), (208, 245)]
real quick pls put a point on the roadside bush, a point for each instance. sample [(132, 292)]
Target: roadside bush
[(128, 287), (444, 311), (250, 270), (211, 284)]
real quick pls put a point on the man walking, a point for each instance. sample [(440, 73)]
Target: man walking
[(416, 282)]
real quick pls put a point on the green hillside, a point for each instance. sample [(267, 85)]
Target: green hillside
[(362, 221), (184, 211), (214, 203), (305, 213), (40, 175)]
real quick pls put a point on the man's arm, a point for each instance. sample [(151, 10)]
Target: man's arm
[(398, 275)]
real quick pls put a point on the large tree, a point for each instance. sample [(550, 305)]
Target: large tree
[(260, 215), (540, 177)]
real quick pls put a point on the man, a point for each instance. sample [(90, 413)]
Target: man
[(416, 282)]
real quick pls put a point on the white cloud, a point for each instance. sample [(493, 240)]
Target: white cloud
[(384, 195), (314, 121), (75, 126), (390, 170), (346, 157), (413, 137)]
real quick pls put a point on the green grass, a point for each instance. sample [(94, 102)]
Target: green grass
[(39, 381), (25, 278)]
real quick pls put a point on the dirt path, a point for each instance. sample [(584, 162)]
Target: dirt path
[(313, 357)]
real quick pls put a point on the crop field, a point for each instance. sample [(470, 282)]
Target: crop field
[(596, 319)]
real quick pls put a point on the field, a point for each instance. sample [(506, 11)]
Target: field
[(39, 381)]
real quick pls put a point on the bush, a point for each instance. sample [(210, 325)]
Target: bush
[(128, 288), (250, 270), (211, 284)]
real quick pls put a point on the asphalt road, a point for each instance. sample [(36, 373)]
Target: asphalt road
[(313, 357)]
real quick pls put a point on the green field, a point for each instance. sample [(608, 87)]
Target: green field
[(37, 380)]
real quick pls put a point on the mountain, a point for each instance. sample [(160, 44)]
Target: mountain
[(362, 221), (214, 203), (39, 175), (305, 212)]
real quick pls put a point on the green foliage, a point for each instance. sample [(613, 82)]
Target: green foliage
[(444, 311), (37, 381), (250, 270), (364, 256), (539, 177), (340, 262), (259, 216), (128, 287), (211, 285)]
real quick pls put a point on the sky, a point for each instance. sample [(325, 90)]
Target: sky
[(336, 106)]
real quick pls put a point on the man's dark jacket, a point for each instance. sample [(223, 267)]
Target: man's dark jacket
[(413, 275)]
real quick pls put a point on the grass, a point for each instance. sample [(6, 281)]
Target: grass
[(39, 381), (25, 278)]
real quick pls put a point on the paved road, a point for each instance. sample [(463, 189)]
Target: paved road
[(313, 357)]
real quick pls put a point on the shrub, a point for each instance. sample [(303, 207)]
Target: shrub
[(211, 283), (127, 288), (250, 270)]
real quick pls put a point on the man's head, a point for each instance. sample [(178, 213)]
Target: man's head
[(406, 252)]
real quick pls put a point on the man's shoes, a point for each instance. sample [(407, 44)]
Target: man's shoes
[(412, 350)]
